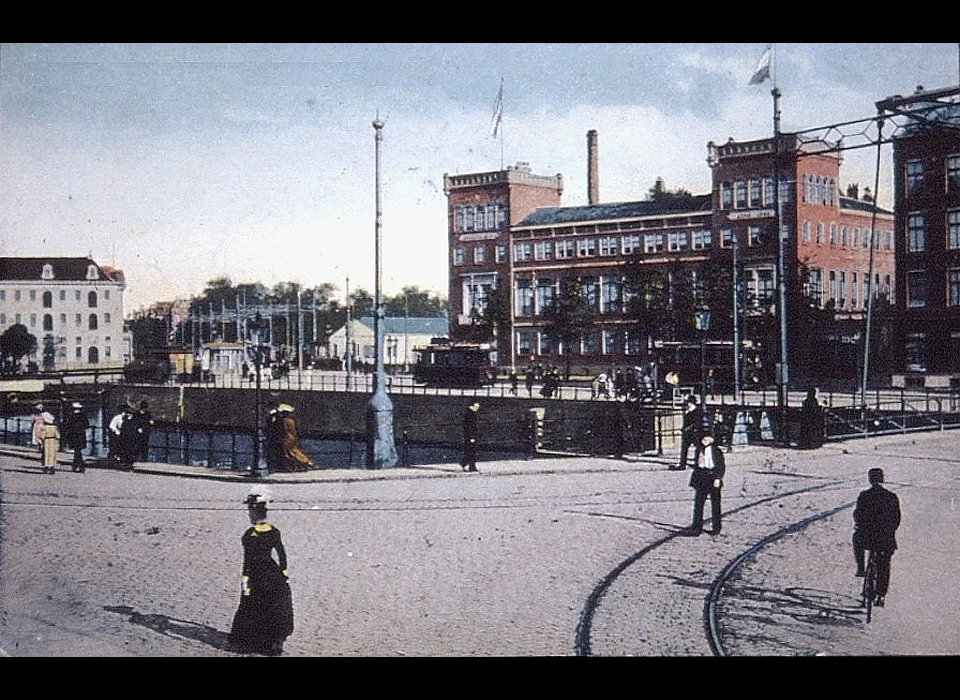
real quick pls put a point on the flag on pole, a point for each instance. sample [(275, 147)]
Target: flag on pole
[(497, 112), (763, 68)]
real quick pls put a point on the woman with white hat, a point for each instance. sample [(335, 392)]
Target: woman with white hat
[(49, 443), (264, 618)]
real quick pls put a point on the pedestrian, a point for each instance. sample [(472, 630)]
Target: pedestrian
[(75, 435), (273, 452), (36, 433), (49, 442), (244, 370), (264, 618), (876, 518), (688, 432), (293, 458), (113, 429), (513, 382), (528, 380), (707, 481), (811, 422), (144, 424), (470, 435), (129, 438)]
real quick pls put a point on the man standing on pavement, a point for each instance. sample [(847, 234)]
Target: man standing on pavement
[(75, 435), (688, 432), (469, 460), (876, 518), (707, 480)]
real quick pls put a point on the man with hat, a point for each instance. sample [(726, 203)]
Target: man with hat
[(470, 432), (707, 480), (75, 435), (876, 518), (688, 432)]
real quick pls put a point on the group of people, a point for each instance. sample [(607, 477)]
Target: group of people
[(876, 515), (48, 437), (129, 435)]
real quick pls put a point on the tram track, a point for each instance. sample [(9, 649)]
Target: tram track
[(583, 643)]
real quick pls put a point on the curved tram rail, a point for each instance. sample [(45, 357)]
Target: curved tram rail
[(711, 610)]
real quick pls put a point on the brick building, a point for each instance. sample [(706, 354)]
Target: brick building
[(683, 238), (926, 166)]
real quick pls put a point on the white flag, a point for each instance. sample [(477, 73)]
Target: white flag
[(497, 113), (763, 68)]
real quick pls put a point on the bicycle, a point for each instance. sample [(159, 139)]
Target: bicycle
[(869, 591)]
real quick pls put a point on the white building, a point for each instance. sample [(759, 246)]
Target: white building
[(401, 335), (73, 306)]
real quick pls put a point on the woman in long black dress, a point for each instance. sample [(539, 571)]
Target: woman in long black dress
[(265, 616)]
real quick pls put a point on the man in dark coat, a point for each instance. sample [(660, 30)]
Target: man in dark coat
[(469, 460), (707, 480), (876, 518), (75, 435), (688, 432)]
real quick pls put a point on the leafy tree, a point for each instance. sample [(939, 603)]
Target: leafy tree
[(15, 343), (568, 318), (413, 301)]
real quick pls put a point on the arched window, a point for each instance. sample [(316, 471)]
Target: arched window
[(47, 272), (93, 356), (92, 325), (48, 322), (48, 300), (92, 300)]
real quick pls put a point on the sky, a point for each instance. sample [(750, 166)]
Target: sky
[(183, 163)]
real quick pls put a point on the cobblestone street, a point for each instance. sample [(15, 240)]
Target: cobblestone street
[(527, 558)]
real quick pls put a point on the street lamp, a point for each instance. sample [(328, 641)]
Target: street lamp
[(257, 329), (701, 321), (381, 451)]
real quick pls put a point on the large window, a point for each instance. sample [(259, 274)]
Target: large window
[(740, 192), (726, 195), (915, 351), (543, 250), (545, 294), (611, 294), (522, 251), (953, 286), (564, 249), (916, 288), (914, 172), (916, 233), (608, 245), (756, 192), (586, 247), (653, 243), (630, 244), (953, 172), (48, 300), (678, 240), (523, 294), (702, 239), (953, 229)]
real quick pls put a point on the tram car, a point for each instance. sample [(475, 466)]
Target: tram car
[(446, 363)]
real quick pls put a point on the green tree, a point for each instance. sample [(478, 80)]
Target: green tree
[(568, 318), (15, 343)]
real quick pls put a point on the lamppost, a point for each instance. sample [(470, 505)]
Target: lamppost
[(257, 328), (701, 321), (381, 451)]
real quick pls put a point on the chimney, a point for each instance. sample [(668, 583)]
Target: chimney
[(593, 177)]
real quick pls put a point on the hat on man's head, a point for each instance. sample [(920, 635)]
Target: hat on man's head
[(77, 404), (258, 496), (875, 475), (285, 408), (475, 406)]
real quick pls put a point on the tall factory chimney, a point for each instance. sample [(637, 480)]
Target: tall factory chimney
[(593, 176)]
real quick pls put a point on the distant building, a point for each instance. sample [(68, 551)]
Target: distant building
[(73, 306), (401, 335)]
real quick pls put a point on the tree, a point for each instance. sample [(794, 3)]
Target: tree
[(413, 301), (568, 318), (15, 343)]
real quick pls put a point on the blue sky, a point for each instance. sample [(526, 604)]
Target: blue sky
[(180, 163)]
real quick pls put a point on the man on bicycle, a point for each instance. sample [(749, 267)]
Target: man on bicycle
[(876, 518)]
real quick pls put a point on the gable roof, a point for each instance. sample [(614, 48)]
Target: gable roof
[(433, 326), (64, 270), (546, 216)]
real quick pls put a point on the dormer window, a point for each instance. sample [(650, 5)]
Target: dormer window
[(91, 272), (47, 273)]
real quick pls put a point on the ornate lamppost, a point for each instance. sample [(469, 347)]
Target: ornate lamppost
[(701, 321), (381, 451), (257, 329)]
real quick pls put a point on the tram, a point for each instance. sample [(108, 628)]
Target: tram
[(683, 359), (446, 363)]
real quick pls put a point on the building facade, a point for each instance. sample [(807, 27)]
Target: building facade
[(481, 209), (73, 306), (926, 163), (682, 239)]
